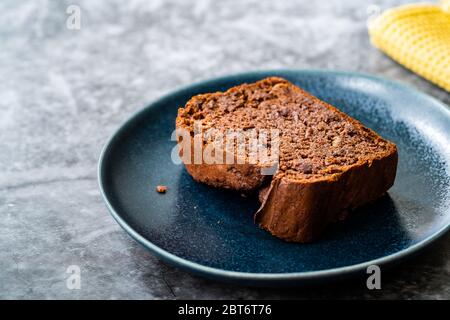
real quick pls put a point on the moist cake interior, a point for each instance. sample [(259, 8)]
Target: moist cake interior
[(316, 140)]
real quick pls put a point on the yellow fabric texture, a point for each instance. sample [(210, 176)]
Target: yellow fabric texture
[(418, 37)]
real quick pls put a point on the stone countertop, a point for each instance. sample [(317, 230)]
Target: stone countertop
[(63, 92)]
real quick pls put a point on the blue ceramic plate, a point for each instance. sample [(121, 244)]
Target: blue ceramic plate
[(211, 232)]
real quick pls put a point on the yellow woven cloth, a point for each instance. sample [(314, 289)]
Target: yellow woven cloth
[(418, 37)]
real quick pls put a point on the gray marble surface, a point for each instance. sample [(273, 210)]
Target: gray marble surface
[(63, 92)]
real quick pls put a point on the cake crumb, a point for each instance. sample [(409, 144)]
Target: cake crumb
[(161, 189)]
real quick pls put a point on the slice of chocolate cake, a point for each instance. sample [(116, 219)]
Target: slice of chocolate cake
[(325, 162)]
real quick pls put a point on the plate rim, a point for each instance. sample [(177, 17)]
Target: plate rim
[(223, 274)]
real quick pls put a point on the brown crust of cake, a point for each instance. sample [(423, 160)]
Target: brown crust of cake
[(299, 209), (241, 177)]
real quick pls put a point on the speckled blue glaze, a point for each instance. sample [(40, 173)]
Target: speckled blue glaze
[(211, 232)]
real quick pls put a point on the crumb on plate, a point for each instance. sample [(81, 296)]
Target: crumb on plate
[(161, 189)]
